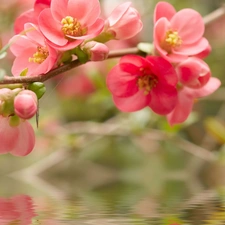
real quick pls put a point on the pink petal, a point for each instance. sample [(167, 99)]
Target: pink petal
[(163, 99), (211, 86), (160, 29), (34, 34), (7, 134), (19, 44), (133, 103), (86, 11), (129, 29), (189, 24), (51, 28), (163, 9), (163, 69), (59, 9), (24, 144), (25, 17), (136, 60), (118, 13), (193, 72), (182, 109), (21, 62), (193, 49), (120, 83)]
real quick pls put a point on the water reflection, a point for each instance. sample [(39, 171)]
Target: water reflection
[(17, 210), (115, 182), (120, 202)]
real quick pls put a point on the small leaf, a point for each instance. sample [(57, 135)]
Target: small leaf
[(145, 47), (38, 88), (24, 72), (3, 55)]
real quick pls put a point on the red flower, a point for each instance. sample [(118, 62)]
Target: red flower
[(137, 82)]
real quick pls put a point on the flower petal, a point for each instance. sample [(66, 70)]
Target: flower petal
[(121, 83), (51, 28), (189, 24), (85, 11), (163, 9), (182, 109), (163, 99), (133, 103), (59, 9), (25, 141)]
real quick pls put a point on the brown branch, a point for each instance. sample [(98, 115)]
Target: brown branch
[(208, 19), (62, 69)]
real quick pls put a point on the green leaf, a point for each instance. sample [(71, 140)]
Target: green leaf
[(38, 88), (24, 72), (146, 47)]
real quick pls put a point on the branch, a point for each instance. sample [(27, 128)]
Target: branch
[(62, 69), (208, 19)]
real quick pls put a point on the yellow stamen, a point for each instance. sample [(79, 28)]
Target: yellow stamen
[(173, 39), (146, 82), (72, 27), (40, 55)]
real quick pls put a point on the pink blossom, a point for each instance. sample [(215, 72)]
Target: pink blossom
[(30, 16), (25, 104), (96, 51), (178, 35), (76, 85), (193, 72), (32, 53), (66, 24), (124, 22), (18, 140), (137, 82), (186, 98)]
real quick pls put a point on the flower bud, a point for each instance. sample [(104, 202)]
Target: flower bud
[(124, 22), (26, 104), (96, 51)]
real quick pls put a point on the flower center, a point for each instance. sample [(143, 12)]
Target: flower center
[(146, 83), (40, 55), (72, 27), (172, 40)]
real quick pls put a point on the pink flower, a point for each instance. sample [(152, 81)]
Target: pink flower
[(76, 85), (137, 82), (124, 22), (66, 24), (32, 53), (178, 35), (193, 72), (96, 51), (186, 98), (30, 16), (18, 140), (25, 104)]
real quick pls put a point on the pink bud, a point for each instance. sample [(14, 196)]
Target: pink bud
[(124, 22), (25, 104), (96, 51)]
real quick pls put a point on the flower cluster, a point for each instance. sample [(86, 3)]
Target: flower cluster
[(55, 32), (174, 75)]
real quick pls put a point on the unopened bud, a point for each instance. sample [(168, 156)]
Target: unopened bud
[(96, 51), (26, 104)]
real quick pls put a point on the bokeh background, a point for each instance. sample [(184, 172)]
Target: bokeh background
[(95, 165)]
